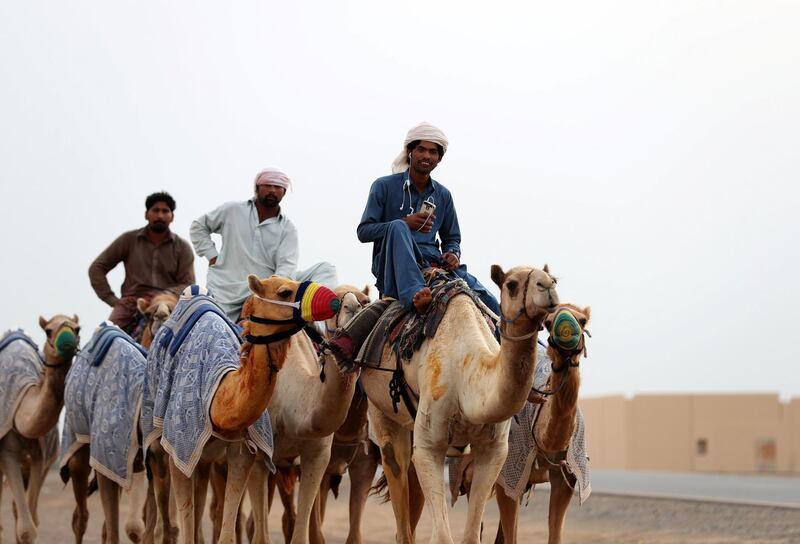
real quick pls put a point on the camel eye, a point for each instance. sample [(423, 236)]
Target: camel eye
[(284, 292), (77, 331), (48, 332), (512, 285)]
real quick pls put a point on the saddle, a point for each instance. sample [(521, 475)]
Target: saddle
[(180, 323), (13, 336), (387, 322), (102, 341)]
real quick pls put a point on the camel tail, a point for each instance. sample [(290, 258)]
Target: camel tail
[(286, 479), (381, 489)]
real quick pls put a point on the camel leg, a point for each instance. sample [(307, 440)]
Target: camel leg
[(136, 495), (314, 458), (509, 516), (79, 471), (183, 488), (109, 496), (1, 503), (35, 482), (217, 479), (318, 512), (11, 450), (257, 489), (416, 499), (395, 445), (362, 473), (489, 458), (162, 484), (201, 477), (240, 462), (560, 495), (430, 448), (286, 494), (150, 515)]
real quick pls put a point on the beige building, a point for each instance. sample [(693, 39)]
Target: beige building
[(707, 433)]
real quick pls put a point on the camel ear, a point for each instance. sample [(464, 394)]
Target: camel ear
[(141, 305), (255, 284), (588, 313), (365, 290), (75, 318), (498, 276), (546, 268), (42, 322)]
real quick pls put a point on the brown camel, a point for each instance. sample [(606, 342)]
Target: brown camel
[(325, 394), (350, 439), (469, 387), (156, 311), (35, 413), (242, 395), (552, 431)]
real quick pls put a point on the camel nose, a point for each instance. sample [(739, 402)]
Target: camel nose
[(66, 343)]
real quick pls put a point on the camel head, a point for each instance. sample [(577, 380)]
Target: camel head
[(155, 312), (353, 301), (288, 301), (62, 339), (525, 291), (567, 326)]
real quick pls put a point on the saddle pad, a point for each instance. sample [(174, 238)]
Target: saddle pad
[(178, 389), (102, 397), (20, 367)]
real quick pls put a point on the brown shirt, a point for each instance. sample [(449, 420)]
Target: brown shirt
[(168, 266)]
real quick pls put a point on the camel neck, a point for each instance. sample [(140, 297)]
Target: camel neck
[(558, 413), (41, 406), (243, 395)]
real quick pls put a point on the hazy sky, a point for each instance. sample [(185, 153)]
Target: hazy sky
[(648, 151)]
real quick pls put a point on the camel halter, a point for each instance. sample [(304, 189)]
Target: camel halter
[(523, 310)]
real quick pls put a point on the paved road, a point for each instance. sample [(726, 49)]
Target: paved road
[(758, 490)]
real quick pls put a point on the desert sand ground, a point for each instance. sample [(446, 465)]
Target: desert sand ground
[(602, 519)]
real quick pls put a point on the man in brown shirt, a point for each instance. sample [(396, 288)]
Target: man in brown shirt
[(156, 261)]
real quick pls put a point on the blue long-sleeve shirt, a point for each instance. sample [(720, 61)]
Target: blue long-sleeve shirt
[(390, 199)]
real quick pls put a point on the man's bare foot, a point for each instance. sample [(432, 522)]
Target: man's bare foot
[(422, 300)]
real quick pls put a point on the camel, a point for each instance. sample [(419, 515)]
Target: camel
[(277, 310), (348, 448), (33, 414), (91, 440), (325, 394), (468, 387), (155, 311), (553, 428)]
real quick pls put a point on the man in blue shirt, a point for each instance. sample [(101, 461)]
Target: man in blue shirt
[(405, 237)]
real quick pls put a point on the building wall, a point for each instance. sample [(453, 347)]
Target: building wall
[(707, 433), (606, 431)]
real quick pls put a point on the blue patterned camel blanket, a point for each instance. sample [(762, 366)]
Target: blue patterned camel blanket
[(517, 468), (20, 368), (188, 358), (102, 397)]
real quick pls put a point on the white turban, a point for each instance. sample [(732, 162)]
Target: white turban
[(423, 131), (273, 176)]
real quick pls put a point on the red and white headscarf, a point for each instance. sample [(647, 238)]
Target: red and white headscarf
[(272, 175), (423, 131)]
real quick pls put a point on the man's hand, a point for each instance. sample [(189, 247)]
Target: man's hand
[(450, 261), (212, 261), (420, 221)]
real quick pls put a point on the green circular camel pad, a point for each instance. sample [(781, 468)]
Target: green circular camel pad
[(66, 343), (566, 330)]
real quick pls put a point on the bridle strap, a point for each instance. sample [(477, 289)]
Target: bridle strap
[(272, 338)]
